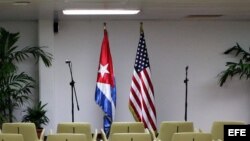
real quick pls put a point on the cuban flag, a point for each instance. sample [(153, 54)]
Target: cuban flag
[(105, 94)]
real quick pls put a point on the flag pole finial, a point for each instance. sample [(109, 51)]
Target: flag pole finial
[(141, 26), (104, 25)]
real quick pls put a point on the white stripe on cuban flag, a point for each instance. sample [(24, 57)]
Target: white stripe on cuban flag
[(106, 90)]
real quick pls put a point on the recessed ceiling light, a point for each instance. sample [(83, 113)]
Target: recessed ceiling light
[(100, 12), (21, 3), (205, 16)]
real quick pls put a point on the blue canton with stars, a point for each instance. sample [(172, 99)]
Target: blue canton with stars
[(141, 61)]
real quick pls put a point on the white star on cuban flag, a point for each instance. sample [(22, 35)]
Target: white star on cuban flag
[(103, 69)]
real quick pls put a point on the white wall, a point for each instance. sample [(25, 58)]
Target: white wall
[(171, 46), (28, 37), (46, 74)]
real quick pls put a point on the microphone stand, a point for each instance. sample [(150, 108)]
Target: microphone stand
[(186, 94), (73, 91)]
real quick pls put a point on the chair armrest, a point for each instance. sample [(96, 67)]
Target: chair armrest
[(217, 140), (157, 139), (104, 135), (198, 130), (95, 135)]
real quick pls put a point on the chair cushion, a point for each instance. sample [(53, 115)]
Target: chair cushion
[(130, 137), (127, 127), (168, 128), (185, 136), (11, 137), (76, 127), (66, 137), (217, 129)]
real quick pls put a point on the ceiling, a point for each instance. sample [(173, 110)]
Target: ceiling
[(150, 9)]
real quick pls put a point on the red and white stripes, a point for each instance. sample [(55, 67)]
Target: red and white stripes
[(141, 99)]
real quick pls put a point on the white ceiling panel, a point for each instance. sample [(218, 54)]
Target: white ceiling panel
[(150, 9)]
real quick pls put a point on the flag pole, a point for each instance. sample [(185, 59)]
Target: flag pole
[(186, 94), (141, 26), (104, 25)]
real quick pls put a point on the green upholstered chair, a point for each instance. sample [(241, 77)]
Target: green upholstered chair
[(28, 130), (77, 127), (10, 137), (127, 127), (217, 129), (124, 127), (130, 137), (168, 128), (189, 136), (66, 137)]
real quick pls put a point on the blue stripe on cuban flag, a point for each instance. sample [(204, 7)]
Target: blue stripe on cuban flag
[(105, 97)]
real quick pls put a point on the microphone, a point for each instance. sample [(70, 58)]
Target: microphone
[(67, 61), (186, 68)]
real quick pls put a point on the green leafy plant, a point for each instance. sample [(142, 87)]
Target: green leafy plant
[(37, 115), (15, 88), (241, 68)]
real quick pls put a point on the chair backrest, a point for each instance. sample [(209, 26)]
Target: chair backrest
[(217, 129), (11, 137), (127, 127), (75, 127), (66, 137), (189, 136), (168, 128), (130, 137), (28, 130)]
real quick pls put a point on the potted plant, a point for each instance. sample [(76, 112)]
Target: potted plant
[(241, 68), (36, 115), (15, 87)]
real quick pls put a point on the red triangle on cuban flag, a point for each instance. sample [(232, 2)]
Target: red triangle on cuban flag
[(105, 70)]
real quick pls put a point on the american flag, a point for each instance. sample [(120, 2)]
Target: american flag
[(141, 98)]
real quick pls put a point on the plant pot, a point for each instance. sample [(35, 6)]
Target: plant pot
[(39, 131)]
